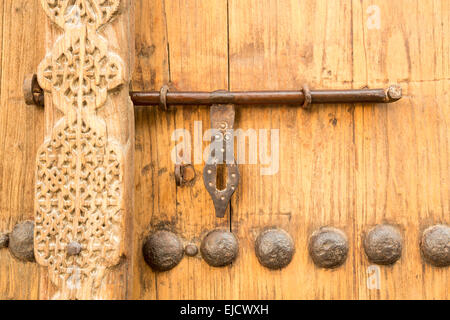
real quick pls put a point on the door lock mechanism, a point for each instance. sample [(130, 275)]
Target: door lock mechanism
[(223, 105), (222, 143)]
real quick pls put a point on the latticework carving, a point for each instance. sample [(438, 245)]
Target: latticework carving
[(92, 13), (79, 180), (80, 61)]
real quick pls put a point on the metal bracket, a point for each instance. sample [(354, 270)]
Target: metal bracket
[(184, 174), (32, 91), (222, 144)]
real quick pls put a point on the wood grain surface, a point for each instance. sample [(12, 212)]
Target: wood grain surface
[(22, 132), (346, 166)]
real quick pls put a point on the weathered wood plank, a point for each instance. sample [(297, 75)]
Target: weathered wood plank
[(21, 133), (283, 46), (155, 194), (199, 61), (402, 174), (189, 49)]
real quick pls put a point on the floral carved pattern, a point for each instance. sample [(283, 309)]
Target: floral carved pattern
[(79, 180)]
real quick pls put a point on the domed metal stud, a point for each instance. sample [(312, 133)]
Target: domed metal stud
[(435, 245), (219, 248), (274, 249), (383, 245), (163, 250), (73, 249), (328, 247), (21, 242), (191, 250)]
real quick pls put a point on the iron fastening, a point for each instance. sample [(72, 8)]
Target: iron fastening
[(223, 104), (222, 120), (304, 97)]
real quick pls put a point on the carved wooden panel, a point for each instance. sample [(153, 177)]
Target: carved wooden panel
[(80, 197)]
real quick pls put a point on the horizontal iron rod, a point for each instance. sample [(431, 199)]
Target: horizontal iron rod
[(392, 94), (34, 94)]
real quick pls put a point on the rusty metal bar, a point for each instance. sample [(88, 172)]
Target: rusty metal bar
[(34, 95), (392, 94)]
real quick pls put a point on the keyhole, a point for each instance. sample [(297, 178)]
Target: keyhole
[(221, 178)]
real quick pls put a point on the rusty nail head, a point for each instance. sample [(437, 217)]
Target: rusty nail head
[(21, 241), (435, 245), (383, 245), (219, 248), (74, 248), (274, 249), (163, 250), (191, 250), (328, 247)]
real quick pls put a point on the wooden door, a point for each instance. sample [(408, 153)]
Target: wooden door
[(345, 166)]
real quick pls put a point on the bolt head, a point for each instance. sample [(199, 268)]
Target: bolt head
[(328, 248), (74, 249), (219, 248), (274, 249), (435, 245), (383, 245), (191, 250), (163, 250), (395, 92), (21, 242)]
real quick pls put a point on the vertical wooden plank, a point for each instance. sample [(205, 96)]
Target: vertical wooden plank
[(402, 150), (21, 133), (284, 45), (155, 190), (184, 43), (1, 39), (197, 37), (85, 168)]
